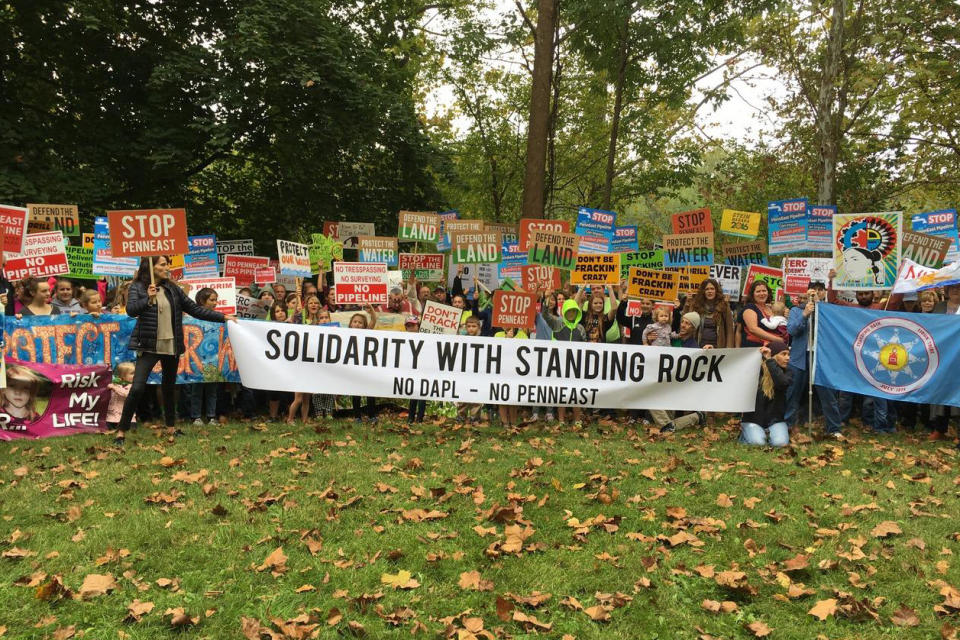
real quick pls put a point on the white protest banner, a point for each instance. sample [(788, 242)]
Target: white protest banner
[(440, 318), (250, 307), (44, 255), (360, 282), (315, 359), (234, 247), (728, 276), (226, 289), (294, 259), (816, 269)]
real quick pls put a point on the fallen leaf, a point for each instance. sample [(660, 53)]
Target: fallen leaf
[(137, 609), (758, 629), (95, 584), (180, 618), (401, 580), (598, 613), (471, 581), (276, 562), (824, 609), (905, 617), (885, 529)]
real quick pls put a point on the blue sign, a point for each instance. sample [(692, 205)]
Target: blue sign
[(512, 258), (443, 239), (596, 222), (820, 227), (940, 223), (625, 240), (201, 262), (104, 264), (787, 226)]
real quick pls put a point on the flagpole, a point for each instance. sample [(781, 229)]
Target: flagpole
[(812, 368)]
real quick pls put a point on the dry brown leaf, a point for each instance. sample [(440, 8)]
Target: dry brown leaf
[(504, 608), (530, 622), (95, 584), (758, 629), (138, 609), (471, 581), (723, 500), (885, 529), (276, 562), (905, 617), (824, 609), (599, 613), (54, 589), (180, 618)]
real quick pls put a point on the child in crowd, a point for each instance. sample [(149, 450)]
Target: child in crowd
[(777, 322), (509, 413), (468, 411), (203, 395), (566, 328), (359, 321), (417, 407), (658, 333), (91, 303), (20, 397), (119, 390)]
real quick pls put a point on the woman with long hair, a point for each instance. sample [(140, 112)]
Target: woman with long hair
[(311, 314), (766, 423), (756, 306), (158, 335), (36, 293), (716, 319)]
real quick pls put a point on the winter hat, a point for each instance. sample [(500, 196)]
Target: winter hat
[(693, 318), (777, 346)]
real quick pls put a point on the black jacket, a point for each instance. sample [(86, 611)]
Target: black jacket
[(144, 336), (770, 411)]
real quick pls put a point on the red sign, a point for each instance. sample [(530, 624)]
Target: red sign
[(148, 232), (634, 308), (514, 309), (696, 221), (529, 225), (13, 222), (796, 285), (330, 229), (43, 256), (266, 275), (539, 277), (243, 269), (360, 282)]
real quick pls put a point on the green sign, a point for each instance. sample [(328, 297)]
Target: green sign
[(80, 260), (646, 259), (323, 251)]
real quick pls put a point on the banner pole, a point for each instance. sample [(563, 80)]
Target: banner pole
[(812, 367), (152, 281)]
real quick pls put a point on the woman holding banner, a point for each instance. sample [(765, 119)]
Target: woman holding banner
[(766, 423), (158, 304)]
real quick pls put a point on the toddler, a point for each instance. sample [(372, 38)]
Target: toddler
[(120, 389), (657, 333), (777, 322)]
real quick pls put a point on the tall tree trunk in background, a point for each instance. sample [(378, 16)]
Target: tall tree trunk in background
[(617, 110), (829, 116), (550, 175), (539, 111)]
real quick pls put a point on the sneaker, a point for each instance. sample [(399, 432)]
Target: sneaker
[(550, 417), (702, 417), (935, 436), (667, 428), (212, 422), (198, 422), (119, 441), (836, 435)]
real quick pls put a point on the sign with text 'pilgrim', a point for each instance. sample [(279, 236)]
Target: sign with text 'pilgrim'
[(696, 221), (43, 256), (688, 249), (471, 247), (343, 361), (360, 282), (419, 226), (440, 318), (596, 269), (148, 232), (553, 249), (653, 285), (529, 225), (55, 217), (226, 289), (294, 258), (538, 277), (514, 309)]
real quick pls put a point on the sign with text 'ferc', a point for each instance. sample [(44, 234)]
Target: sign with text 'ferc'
[(653, 285), (360, 283), (688, 249), (529, 225), (472, 247), (696, 221), (596, 269), (538, 277), (553, 249), (55, 217), (418, 226), (514, 309), (148, 232)]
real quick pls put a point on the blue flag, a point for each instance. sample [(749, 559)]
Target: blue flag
[(912, 357)]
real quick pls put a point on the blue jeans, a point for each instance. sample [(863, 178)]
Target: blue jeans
[(776, 435), (797, 402), (203, 396), (878, 415)]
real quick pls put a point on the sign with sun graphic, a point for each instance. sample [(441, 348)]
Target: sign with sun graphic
[(866, 250), (896, 355)]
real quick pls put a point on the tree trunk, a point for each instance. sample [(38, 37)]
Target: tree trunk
[(539, 112), (617, 110), (828, 114)]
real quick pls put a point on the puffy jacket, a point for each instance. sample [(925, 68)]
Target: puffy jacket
[(564, 330), (770, 411), (144, 336)]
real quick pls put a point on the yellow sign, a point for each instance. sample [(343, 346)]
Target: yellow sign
[(596, 269), (744, 224)]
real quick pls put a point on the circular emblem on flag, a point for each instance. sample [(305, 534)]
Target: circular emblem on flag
[(896, 355)]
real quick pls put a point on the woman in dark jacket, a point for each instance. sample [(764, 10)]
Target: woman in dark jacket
[(158, 335), (766, 424)]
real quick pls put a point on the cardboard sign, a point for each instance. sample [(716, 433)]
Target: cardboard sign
[(645, 259), (323, 251), (264, 275), (471, 247), (457, 226), (294, 258), (729, 278), (508, 232), (243, 268), (443, 241), (653, 285), (742, 254), (624, 240), (148, 232), (596, 269), (690, 278), (440, 318), (553, 249), (80, 261), (514, 309), (866, 250), (924, 249), (529, 225), (201, 261), (426, 267), (43, 256), (696, 221), (538, 277), (743, 224), (13, 220), (250, 308), (772, 276), (349, 232), (360, 283), (87, 240), (104, 264), (235, 247), (226, 289), (813, 269), (55, 217), (378, 249), (787, 226), (688, 249), (419, 226)]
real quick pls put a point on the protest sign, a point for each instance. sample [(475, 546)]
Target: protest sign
[(378, 249), (294, 258), (201, 261), (418, 226), (250, 307), (514, 310), (360, 283), (553, 249), (820, 227), (743, 224), (508, 232), (866, 250), (924, 249), (512, 258), (440, 318), (696, 221), (457, 226), (426, 267), (264, 275), (940, 223), (645, 259), (653, 285), (538, 277), (331, 229), (729, 278), (624, 240), (772, 276), (176, 262), (473, 247), (43, 256), (243, 268), (596, 269), (349, 232), (593, 244), (529, 225), (486, 274), (87, 240), (688, 249), (634, 309), (104, 264), (323, 251), (148, 232), (787, 226), (235, 247), (13, 223), (343, 361), (796, 285), (54, 217), (443, 239), (690, 278), (80, 261), (813, 269), (226, 289), (595, 222), (742, 254)]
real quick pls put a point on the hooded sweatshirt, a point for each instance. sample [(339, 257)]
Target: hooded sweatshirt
[(563, 329)]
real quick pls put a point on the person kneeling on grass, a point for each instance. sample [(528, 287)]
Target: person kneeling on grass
[(766, 423)]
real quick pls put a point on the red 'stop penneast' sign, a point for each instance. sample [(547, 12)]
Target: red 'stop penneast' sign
[(148, 232)]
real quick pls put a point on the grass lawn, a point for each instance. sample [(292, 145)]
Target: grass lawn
[(446, 531)]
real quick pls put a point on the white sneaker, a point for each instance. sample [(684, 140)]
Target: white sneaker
[(549, 417), (535, 416), (198, 422), (213, 422), (837, 436)]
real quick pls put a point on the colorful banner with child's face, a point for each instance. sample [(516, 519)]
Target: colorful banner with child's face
[(866, 250), (45, 400)]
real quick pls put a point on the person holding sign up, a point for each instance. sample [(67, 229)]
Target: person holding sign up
[(158, 304)]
